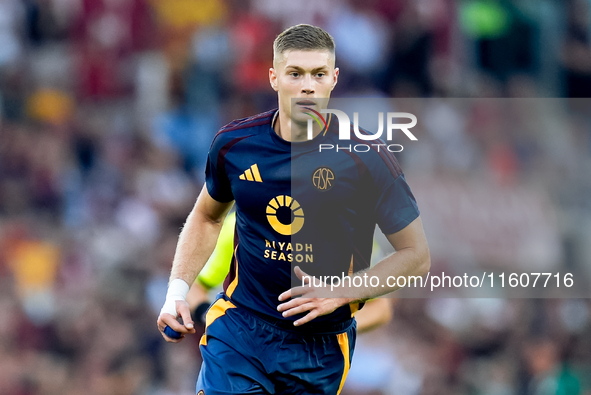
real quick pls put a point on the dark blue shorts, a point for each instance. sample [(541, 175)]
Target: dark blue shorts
[(244, 353)]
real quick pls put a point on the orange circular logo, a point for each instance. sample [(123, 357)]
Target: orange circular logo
[(289, 204)]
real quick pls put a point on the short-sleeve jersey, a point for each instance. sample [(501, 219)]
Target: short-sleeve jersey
[(298, 205)]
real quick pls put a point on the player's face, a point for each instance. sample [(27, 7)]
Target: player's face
[(306, 75)]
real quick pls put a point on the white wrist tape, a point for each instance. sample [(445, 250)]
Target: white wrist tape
[(177, 290)]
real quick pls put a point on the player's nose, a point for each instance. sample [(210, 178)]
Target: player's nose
[(308, 85)]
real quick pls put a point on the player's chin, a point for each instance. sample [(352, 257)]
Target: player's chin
[(299, 118)]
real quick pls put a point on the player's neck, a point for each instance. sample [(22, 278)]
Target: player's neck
[(290, 131)]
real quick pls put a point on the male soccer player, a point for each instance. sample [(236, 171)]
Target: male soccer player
[(260, 338)]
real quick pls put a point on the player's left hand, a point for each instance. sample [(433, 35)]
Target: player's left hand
[(306, 298)]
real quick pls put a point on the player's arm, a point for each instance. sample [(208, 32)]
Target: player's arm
[(197, 295), (412, 258), (375, 313), (196, 243), (214, 272)]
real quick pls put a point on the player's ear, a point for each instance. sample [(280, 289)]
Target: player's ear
[(273, 78), (336, 77)]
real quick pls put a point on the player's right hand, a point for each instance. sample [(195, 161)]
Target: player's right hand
[(168, 316)]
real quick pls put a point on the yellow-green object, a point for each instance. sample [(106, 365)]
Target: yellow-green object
[(484, 19), (217, 267)]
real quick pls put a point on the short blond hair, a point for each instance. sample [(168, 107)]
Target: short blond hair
[(303, 37)]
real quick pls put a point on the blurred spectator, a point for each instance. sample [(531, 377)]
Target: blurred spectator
[(505, 37), (576, 56)]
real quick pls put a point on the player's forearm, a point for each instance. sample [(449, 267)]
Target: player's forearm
[(406, 262), (375, 313), (196, 243)]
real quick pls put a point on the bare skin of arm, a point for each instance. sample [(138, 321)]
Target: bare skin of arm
[(196, 243), (375, 313), (411, 259), (197, 295)]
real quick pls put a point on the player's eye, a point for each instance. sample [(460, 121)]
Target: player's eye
[(294, 74), (320, 75)]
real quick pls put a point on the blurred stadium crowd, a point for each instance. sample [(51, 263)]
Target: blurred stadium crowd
[(107, 111)]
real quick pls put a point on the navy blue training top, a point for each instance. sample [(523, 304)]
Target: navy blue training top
[(298, 206)]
